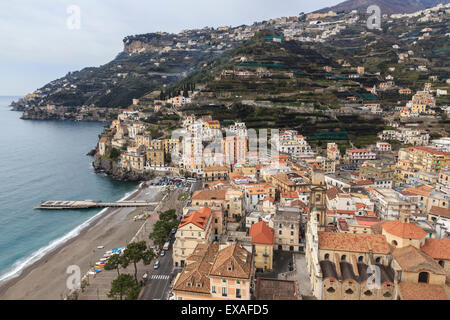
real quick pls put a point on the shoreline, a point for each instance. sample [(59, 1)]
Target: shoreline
[(7, 286)]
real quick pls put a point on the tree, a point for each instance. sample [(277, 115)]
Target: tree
[(123, 286), (113, 263), (114, 154), (136, 252), (162, 228)]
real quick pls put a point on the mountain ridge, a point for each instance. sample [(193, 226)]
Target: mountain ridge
[(386, 6)]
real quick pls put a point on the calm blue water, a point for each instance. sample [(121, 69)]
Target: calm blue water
[(45, 160)]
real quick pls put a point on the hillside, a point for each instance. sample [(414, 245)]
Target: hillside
[(289, 62), (386, 6)]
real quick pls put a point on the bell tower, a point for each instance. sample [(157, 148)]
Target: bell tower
[(318, 206)]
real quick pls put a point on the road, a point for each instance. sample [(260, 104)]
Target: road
[(159, 280)]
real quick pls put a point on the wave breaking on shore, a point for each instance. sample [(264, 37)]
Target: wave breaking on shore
[(17, 268)]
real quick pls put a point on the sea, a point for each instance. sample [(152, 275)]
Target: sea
[(46, 160)]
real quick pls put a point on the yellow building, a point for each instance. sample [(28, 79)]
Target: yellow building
[(155, 157), (216, 272), (133, 161), (427, 159), (209, 198), (215, 173), (171, 145), (263, 240), (234, 203), (193, 229)]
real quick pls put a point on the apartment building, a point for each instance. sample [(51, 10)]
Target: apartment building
[(287, 229), (194, 228), (263, 242), (216, 272)]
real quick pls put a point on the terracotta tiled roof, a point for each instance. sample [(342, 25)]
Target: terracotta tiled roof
[(334, 211), (405, 230), (437, 248), (366, 221), (431, 150), (233, 261), (421, 291), (209, 195), (299, 204), (364, 182), (216, 168), (442, 212), (360, 205), (333, 192), (261, 233), (412, 259), (199, 218), (269, 198), (422, 190), (353, 242), (194, 277)]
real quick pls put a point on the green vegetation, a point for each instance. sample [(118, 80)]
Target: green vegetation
[(162, 228), (124, 286), (183, 196), (134, 253), (114, 262), (114, 154)]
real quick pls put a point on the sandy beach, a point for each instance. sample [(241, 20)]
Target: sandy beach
[(46, 278)]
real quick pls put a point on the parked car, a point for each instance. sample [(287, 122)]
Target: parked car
[(156, 266), (163, 253)]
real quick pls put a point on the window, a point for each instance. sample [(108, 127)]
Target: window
[(344, 257), (378, 260), (214, 289), (327, 256), (424, 277), (238, 293), (280, 232), (368, 293), (224, 292), (361, 259)]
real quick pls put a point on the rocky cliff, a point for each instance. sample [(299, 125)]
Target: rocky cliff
[(103, 165)]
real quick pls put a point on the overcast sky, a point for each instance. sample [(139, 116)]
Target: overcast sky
[(38, 46)]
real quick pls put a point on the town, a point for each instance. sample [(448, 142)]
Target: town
[(296, 222), (299, 158)]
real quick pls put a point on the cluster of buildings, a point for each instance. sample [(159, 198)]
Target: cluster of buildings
[(132, 140), (380, 232), (422, 103)]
